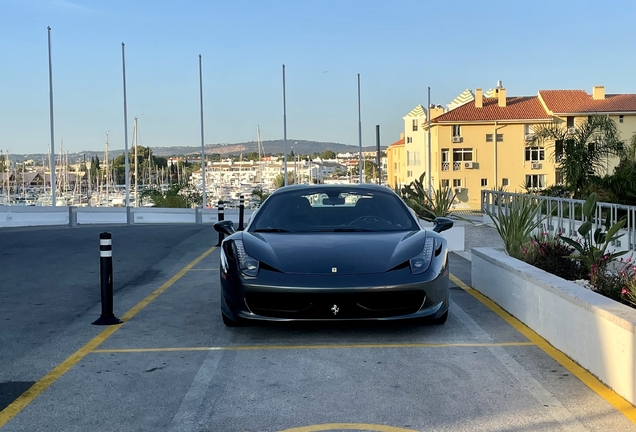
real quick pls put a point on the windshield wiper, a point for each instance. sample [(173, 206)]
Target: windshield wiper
[(348, 229), (271, 230)]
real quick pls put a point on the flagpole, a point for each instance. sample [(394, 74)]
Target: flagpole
[(360, 168), (202, 134), (284, 130), (126, 162), (53, 178)]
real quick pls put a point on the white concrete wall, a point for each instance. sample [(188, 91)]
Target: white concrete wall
[(15, 216), (100, 215), (596, 332), (455, 236)]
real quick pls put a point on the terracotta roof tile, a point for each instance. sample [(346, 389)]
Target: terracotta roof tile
[(398, 143), (517, 108), (578, 101)]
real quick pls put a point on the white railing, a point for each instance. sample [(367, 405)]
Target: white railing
[(20, 216), (564, 215)]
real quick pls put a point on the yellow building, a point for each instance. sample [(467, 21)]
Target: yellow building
[(488, 142), (396, 163)]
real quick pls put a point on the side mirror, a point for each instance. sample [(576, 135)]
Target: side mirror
[(442, 224), (225, 227)]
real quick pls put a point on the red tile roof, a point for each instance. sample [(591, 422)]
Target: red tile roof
[(517, 108), (578, 101), (398, 143)]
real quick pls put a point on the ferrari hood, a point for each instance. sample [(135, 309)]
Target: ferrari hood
[(334, 253)]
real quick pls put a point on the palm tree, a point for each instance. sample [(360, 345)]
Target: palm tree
[(581, 153)]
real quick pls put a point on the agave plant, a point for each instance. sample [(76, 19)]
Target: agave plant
[(592, 252), (428, 206), (515, 226)]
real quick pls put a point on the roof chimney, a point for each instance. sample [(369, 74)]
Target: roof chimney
[(598, 92), (479, 98), (401, 135), (501, 94), (499, 85)]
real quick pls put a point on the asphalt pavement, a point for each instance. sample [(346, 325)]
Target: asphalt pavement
[(173, 366)]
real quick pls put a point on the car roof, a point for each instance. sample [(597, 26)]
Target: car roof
[(364, 187)]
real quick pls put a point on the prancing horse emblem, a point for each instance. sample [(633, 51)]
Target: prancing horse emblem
[(335, 309)]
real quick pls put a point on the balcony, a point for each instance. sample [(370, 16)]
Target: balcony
[(445, 166), (457, 166)]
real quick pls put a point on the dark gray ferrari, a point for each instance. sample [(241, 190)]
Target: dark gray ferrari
[(334, 252)]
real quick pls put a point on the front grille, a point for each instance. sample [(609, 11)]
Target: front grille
[(346, 305)]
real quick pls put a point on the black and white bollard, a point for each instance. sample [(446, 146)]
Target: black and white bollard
[(221, 216), (106, 276), (241, 212)]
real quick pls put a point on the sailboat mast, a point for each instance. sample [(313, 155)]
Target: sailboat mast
[(135, 133), (107, 172)]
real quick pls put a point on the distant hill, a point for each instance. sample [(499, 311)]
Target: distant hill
[(270, 147)]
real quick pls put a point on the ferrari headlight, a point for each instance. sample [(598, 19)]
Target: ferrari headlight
[(422, 261), (247, 264)]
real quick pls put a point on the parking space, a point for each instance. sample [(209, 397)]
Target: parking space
[(174, 366)]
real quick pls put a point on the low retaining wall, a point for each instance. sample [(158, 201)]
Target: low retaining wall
[(596, 332), (19, 216)]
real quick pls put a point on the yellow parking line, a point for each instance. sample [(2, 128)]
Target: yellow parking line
[(205, 269), (36, 389), (300, 347), (622, 405), (348, 426)]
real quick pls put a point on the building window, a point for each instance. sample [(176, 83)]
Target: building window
[(457, 183), (409, 140), (409, 173), (570, 121), (413, 158), (535, 154), (528, 129), (445, 159), (484, 182), (462, 155), (621, 118), (499, 137), (457, 130), (558, 177), (445, 183), (414, 125), (505, 182), (535, 181), (395, 167)]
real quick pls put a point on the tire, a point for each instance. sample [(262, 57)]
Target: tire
[(229, 322), (441, 320)]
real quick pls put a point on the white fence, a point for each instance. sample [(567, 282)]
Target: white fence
[(19, 216), (566, 215)]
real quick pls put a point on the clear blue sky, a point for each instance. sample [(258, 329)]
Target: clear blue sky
[(399, 48)]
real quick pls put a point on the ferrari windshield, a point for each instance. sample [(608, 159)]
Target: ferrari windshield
[(330, 209)]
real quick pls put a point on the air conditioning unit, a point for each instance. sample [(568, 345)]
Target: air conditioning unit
[(536, 166), (571, 130), (457, 139), (468, 165), (529, 137)]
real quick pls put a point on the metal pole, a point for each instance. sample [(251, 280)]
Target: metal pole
[(430, 180), (135, 139), (360, 168), (284, 130), (53, 178), (241, 212), (126, 162), (377, 142), (220, 217), (205, 202), (106, 276), (494, 140)]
